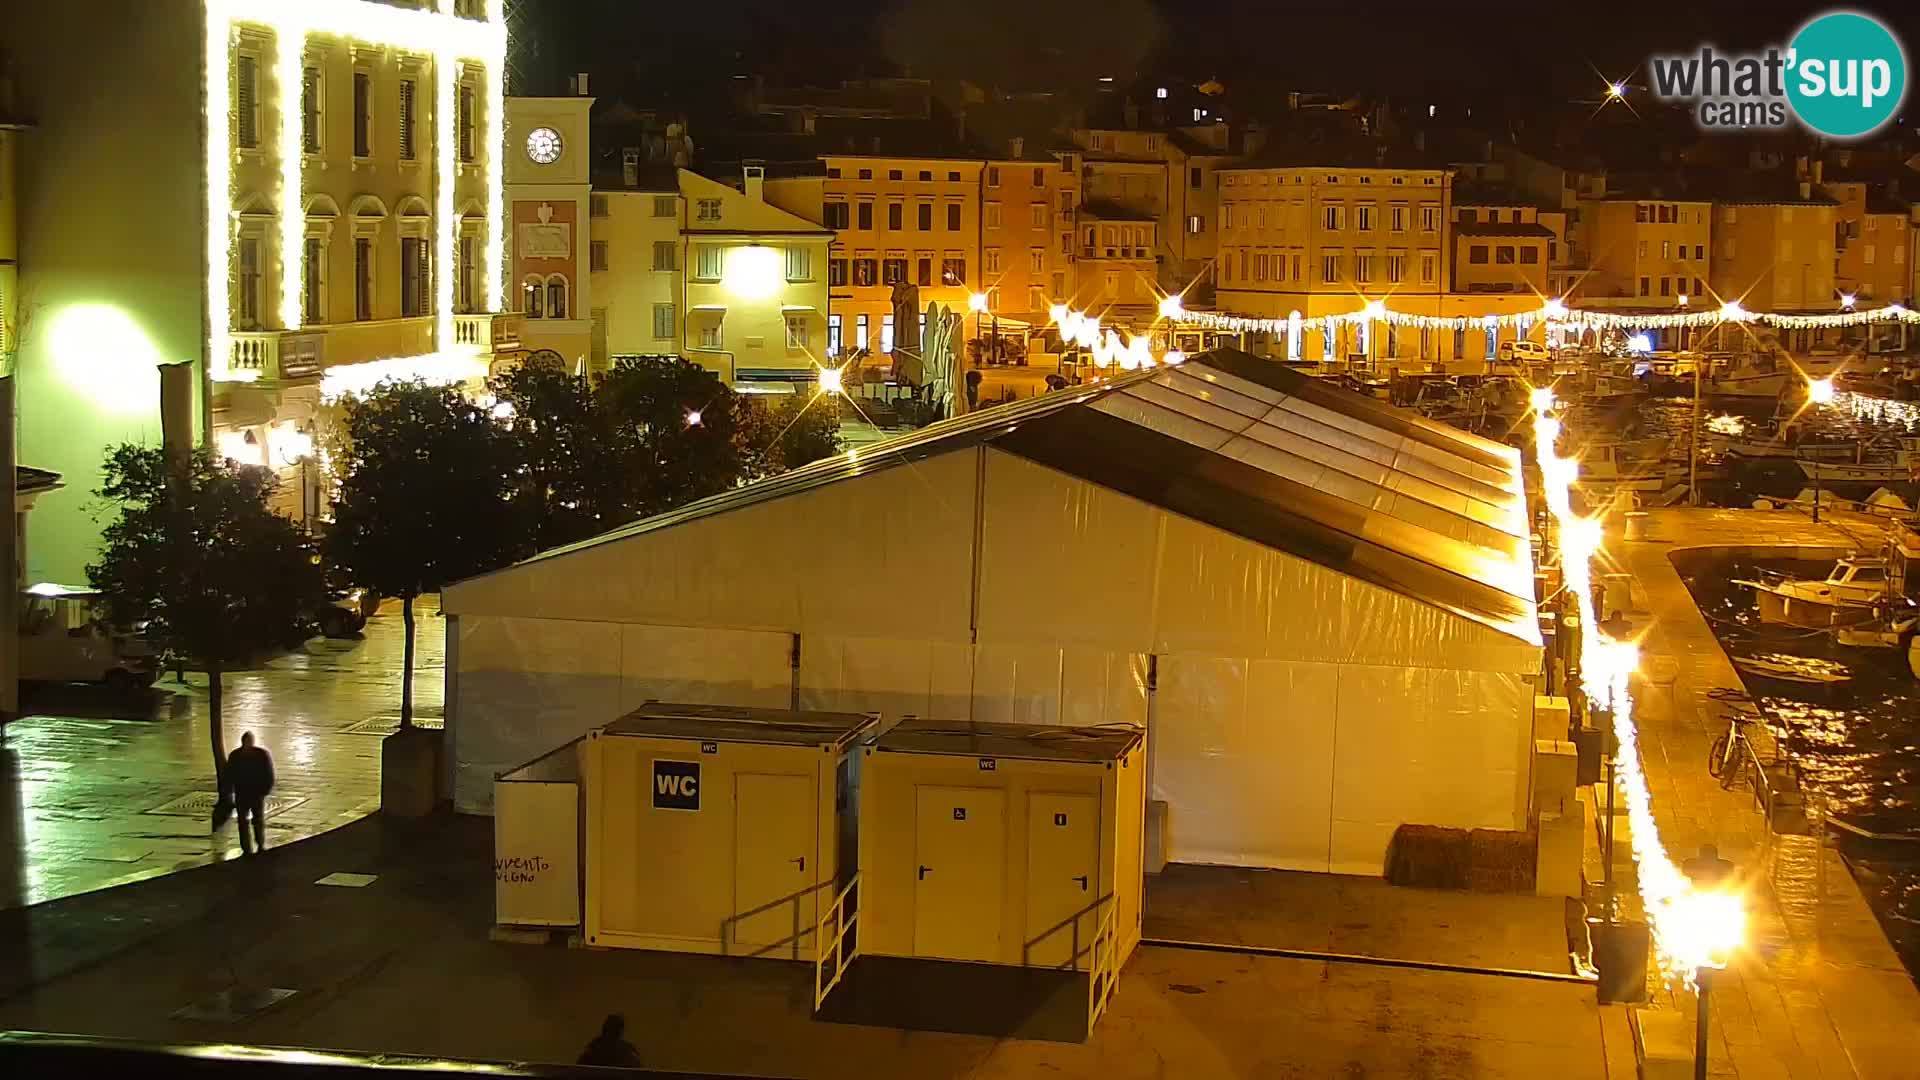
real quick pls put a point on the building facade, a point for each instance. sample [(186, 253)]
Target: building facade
[(551, 243), (754, 294), (312, 233)]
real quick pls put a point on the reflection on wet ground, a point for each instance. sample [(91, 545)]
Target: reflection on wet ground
[(1856, 742), (97, 789)]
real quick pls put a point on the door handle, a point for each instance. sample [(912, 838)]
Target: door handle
[(1082, 879), (802, 860), (924, 871)]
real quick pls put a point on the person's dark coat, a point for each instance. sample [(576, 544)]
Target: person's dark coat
[(610, 1047), (249, 774)]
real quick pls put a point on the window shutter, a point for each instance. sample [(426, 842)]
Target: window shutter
[(406, 119), (246, 128)]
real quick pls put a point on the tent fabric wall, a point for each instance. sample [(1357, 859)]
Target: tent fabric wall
[(522, 686), (887, 556), (892, 677)]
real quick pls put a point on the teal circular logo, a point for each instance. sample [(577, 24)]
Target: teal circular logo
[(1846, 74)]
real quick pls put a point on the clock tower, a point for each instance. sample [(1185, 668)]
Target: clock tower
[(549, 240)]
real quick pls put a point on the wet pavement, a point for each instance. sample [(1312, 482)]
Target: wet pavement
[(98, 789)]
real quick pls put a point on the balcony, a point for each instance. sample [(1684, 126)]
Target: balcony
[(270, 355), (487, 332)]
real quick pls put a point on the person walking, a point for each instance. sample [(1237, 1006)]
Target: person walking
[(610, 1047), (250, 775)]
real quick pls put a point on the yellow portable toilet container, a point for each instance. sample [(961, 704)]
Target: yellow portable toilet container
[(716, 829), (1002, 844)]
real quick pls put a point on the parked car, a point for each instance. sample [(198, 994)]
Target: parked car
[(1524, 350), (62, 639)]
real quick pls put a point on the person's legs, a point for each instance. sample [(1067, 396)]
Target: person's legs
[(260, 825), (240, 811)]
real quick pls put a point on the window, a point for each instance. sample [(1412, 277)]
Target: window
[(896, 174), (953, 217), (310, 110), (1641, 251), (1645, 289), (1699, 251), (597, 255), (866, 271), (1037, 261), (1429, 218), (467, 138), (1665, 214), (1098, 141), (1477, 254), (993, 176), (893, 271), (1666, 286), (895, 212), (1396, 268), (1363, 216), (1195, 224), (1153, 144), (923, 270), (707, 210), (991, 256), (1727, 216), (1503, 255), (1297, 276), (664, 206), (711, 336), (1195, 177), (1530, 255), (833, 328), (409, 89), (1699, 287), (836, 271), (416, 278), (363, 118), (1329, 268), (1868, 255), (834, 215), (799, 264), (1642, 213), (248, 314), (953, 177), (796, 332), (468, 256), (866, 215), (1226, 216), (246, 101), (926, 174), (1490, 332), (1260, 266), (866, 174), (597, 206), (953, 271), (362, 278), (665, 255), (992, 210), (1066, 202), (664, 324), (1334, 216), (706, 262), (1666, 249), (1428, 264), (923, 217), (1727, 248), (1397, 218), (860, 331), (886, 332), (1037, 215), (536, 299), (312, 276)]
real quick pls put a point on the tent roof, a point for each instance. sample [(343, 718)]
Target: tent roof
[(1246, 446)]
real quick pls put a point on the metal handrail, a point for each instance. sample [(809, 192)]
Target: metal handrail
[(1103, 968), (830, 936)]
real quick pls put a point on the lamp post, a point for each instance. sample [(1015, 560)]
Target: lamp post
[(977, 303), (1819, 392)]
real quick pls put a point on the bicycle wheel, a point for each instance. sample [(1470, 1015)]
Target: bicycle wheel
[(1717, 757)]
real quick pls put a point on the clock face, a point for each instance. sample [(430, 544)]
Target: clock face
[(543, 145)]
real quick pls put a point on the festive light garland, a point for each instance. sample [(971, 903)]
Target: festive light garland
[(1693, 928), (448, 38), (1552, 313)]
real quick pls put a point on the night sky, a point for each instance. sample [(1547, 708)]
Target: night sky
[(1430, 51)]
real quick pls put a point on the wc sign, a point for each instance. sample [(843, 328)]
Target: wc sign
[(676, 785)]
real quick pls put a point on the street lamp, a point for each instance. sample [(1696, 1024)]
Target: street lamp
[(1819, 392), (977, 303)]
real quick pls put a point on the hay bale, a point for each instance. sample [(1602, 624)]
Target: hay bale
[(1501, 860), (1429, 857)]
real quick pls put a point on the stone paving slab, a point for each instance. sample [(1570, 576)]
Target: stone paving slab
[(404, 965), (1820, 992), (82, 771)]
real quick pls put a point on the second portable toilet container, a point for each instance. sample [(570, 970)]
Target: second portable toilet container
[(717, 829), (1003, 844)]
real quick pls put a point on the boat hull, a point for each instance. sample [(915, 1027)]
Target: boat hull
[(1876, 473), (1795, 611), (1768, 386)]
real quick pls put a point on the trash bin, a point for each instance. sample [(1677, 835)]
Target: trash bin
[(1620, 953), (1636, 525)]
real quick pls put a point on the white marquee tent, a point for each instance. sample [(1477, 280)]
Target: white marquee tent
[(1320, 606)]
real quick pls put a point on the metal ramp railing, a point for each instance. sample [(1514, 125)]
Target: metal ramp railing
[(835, 944), (1103, 968)]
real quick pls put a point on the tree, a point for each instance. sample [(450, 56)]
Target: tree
[(673, 422), (425, 498), (571, 482), (784, 433), (198, 558)]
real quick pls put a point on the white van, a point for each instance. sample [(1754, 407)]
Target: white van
[(1524, 350), (61, 640)]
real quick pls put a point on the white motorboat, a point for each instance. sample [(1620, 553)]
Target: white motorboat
[(1638, 467), (1904, 466), (1854, 592), (1748, 383), (1794, 669), (1785, 448)]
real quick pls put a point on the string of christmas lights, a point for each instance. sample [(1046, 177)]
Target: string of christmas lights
[(1552, 313)]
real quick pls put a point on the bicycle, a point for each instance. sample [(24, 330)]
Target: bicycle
[(1725, 758)]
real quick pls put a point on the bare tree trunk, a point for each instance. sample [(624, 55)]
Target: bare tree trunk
[(406, 665), (216, 736)]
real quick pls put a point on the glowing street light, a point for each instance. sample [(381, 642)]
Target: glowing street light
[(1847, 301), (976, 302), (1820, 391), (1058, 314), (1375, 309), (1541, 399), (829, 381), (1555, 308), (693, 415), (1170, 306), (1616, 91)]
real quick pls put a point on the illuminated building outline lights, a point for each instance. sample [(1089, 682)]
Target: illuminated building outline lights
[(448, 38)]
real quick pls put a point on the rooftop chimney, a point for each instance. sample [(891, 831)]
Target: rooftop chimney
[(1806, 190), (1015, 146), (754, 178), (630, 166), (580, 84), (1819, 169)]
